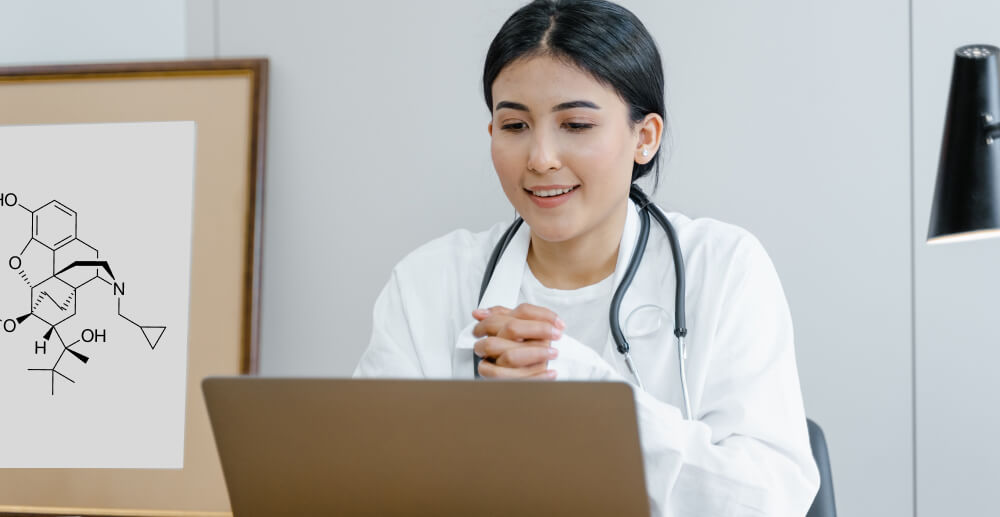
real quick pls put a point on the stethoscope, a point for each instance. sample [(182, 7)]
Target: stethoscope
[(646, 207)]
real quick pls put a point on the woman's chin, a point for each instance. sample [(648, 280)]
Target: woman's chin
[(549, 233)]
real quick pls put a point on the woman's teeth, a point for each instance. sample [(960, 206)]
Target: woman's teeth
[(550, 193)]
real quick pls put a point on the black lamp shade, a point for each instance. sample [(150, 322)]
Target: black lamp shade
[(967, 192)]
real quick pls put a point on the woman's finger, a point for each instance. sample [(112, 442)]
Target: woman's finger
[(515, 329), (490, 326), (519, 330), (493, 371), (481, 314), (494, 347), (490, 347), (525, 356), (547, 375), (527, 311)]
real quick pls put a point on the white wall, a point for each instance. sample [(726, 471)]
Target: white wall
[(68, 31)]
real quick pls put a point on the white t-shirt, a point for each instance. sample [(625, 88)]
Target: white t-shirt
[(585, 310)]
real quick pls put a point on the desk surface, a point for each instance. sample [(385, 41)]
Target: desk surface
[(36, 511)]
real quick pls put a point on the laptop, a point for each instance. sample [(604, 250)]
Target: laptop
[(418, 447)]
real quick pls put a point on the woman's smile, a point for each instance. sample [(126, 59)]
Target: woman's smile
[(551, 196)]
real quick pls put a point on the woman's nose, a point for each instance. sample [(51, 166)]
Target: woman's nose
[(544, 156)]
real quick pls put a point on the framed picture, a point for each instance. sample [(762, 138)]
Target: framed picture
[(130, 237)]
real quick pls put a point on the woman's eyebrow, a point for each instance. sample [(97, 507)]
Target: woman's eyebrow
[(558, 107), (511, 105), (575, 104)]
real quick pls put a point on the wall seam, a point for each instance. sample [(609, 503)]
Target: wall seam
[(913, 266)]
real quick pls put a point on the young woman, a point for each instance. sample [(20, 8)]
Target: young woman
[(575, 90)]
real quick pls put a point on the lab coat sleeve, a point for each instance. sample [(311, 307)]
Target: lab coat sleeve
[(747, 452), (391, 351)]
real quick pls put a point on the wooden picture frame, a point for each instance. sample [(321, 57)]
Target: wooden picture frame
[(227, 99)]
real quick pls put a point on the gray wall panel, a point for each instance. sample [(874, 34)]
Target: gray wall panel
[(957, 352), (68, 31), (786, 122), (200, 34)]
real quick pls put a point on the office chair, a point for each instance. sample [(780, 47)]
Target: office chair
[(823, 505)]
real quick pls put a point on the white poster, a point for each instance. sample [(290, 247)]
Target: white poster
[(95, 263)]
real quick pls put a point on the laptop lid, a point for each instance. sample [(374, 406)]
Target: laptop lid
[(419, 447)]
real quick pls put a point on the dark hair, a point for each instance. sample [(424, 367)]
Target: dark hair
[(599, 37)]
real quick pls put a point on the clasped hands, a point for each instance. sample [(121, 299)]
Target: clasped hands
[(517, 343)]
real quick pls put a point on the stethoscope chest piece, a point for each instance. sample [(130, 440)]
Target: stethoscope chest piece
[(646, 321)]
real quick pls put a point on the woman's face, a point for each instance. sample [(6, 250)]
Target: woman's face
[(554, 128)]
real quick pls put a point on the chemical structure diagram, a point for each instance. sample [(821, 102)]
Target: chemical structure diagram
[(55, 266)]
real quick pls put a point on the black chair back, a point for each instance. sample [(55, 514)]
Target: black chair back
[(823, 505)]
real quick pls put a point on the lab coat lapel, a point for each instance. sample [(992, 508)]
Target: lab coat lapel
[(505, 285), (503, 289)]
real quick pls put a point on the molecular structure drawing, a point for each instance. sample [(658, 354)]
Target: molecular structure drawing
[(55, 266)]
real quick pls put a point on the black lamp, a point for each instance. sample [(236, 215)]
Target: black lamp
[(967, 193)]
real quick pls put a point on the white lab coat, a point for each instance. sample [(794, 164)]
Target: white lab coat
[(747, 451)]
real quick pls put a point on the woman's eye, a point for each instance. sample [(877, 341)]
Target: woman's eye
[(578, 126), (513, 126)]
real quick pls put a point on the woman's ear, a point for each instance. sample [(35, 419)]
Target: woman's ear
[(489, 128), (649, 132)]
